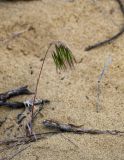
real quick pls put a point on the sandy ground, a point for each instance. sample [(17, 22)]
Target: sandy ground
[(73, 93)]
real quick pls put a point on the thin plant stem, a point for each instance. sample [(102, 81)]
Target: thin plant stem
[(35, 93), (62, 57)]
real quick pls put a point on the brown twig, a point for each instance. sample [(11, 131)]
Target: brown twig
[(15, 92), (108, 41), (60, 128), (28, 139), (113, 38), (75, 129), (19, 142)]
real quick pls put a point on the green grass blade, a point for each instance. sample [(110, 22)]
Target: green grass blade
[(63, 57)]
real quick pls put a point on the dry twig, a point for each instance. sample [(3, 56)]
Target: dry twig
[(77, 129), (27, 139), (113, 38), (15, 154), (15, 92)]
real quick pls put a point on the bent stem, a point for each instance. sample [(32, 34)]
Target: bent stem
[(62, 57), (35, 93)]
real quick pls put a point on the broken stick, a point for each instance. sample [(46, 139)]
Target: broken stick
[(113, 38), (28, 139), (27, 103), (108, 41), (15, 92), (77, 129)]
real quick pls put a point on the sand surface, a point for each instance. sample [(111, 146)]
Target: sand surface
[(77, 23)]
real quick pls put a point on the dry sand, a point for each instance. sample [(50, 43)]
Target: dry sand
[(73, 93)]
